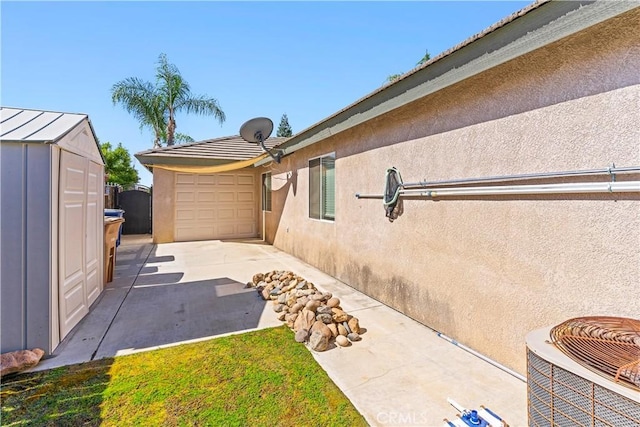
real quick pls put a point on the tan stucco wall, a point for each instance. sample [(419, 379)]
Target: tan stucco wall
[(163, 206), (164, 202), (488, 270)]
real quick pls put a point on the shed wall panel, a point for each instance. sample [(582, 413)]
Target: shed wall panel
[(12, 316), (38, 244), (25, 233)]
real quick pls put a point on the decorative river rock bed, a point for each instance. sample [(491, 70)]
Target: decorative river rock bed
[(316, 317)]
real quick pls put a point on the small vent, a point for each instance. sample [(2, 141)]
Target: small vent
[(557, 397)]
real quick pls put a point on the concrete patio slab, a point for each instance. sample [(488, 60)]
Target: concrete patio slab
[(401, 373)]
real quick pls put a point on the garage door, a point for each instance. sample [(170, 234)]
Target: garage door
[(219, 206)]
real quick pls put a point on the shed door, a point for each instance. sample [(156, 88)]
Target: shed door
[(80, 241), (218, 206)]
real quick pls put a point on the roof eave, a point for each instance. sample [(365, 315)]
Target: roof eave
[(149, 161), (541, 25)]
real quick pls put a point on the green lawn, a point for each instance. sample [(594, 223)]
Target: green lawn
[(257, 378)]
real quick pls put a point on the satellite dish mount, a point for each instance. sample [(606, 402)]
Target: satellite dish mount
[(257, 131)]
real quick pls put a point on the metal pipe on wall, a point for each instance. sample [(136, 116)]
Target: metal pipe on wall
[(539, 189), (520, 177)]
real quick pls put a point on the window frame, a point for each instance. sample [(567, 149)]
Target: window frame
[(264, 190), (321, 191)]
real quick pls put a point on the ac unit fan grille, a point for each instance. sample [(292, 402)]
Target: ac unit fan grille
[(557, 397)]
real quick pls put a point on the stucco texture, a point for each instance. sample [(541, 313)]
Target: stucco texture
[(487, 270)]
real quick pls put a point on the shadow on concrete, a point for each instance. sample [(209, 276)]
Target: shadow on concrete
[(165, 258), (158, 278), (161, 314)]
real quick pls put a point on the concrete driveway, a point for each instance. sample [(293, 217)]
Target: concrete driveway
[(401, 373)]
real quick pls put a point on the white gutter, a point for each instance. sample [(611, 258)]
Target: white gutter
[(505, 190)]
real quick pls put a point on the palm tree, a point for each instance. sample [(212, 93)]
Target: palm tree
[(143, 101), (155, 106)]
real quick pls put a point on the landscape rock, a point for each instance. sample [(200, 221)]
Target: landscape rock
[(290, 318), (315, 316), (346, 326), (339, 316), (342, 341), (323, 309), (305, 320), (333, 328), (354, 325), (321, 327), (296, 307), (312, 305), (275, 291), (353, 337), (317, 297), (301, 335), (318, 341), (324, 318), (333, 302), (18, 361), (342, 330)]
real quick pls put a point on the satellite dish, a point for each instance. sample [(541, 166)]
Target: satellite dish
[(257, 130)]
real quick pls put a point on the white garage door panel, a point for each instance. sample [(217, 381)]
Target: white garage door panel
[(206, 196), (204, 214), (245, 180), (246, 213), (184, 178), (226, 179), (246, 229), (226, 197), (206, 179), (245, 196), (221, 206), (185, 196)]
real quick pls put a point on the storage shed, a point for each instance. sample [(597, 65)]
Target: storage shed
[(52, 181)]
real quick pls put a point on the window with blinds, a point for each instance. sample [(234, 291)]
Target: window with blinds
[(322, 187), (266, 191)]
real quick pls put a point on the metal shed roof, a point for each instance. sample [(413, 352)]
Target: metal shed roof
[(22, 125)]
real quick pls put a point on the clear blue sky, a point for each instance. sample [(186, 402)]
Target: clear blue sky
[(306, 59)]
